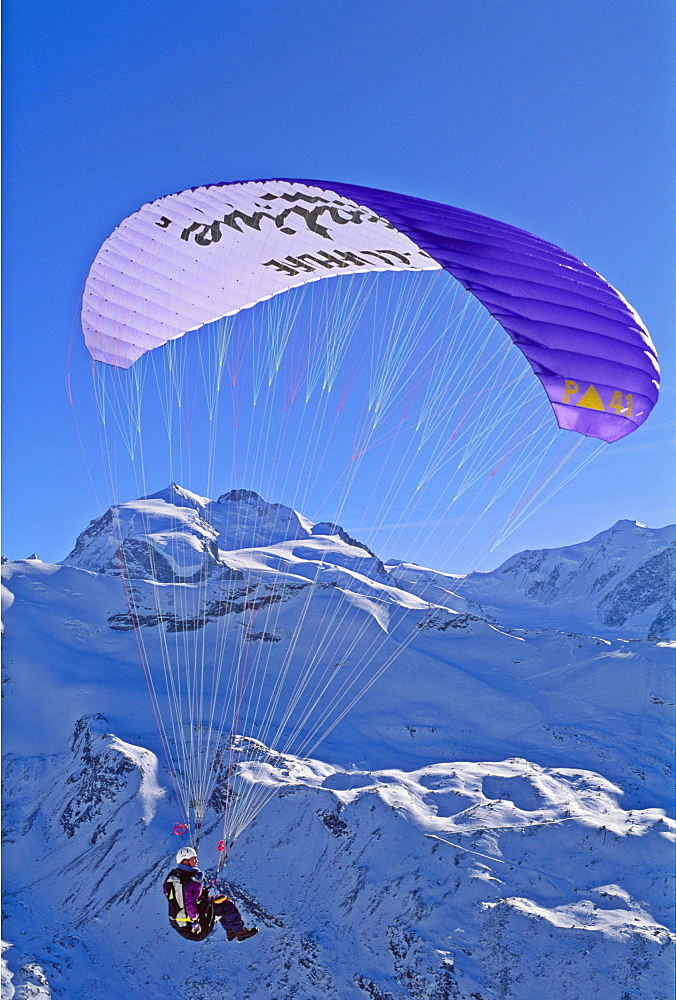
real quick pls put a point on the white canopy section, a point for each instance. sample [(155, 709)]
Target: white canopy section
[(190, 258)]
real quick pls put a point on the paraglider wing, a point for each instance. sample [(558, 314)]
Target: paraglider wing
[(191, 258)]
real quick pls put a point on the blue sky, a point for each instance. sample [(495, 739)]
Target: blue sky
[(555, 117)]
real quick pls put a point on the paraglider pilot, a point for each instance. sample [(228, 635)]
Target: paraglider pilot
[(192, 911)]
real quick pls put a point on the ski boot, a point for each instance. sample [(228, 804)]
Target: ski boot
[(246, 933)]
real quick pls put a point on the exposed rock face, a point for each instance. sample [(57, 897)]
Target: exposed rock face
[(650, 586)]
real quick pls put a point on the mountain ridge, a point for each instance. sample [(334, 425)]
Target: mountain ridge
[(625, 576)]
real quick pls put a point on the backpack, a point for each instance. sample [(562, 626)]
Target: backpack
[(178, 917)]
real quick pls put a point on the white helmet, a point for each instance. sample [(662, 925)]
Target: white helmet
[(185, 854)]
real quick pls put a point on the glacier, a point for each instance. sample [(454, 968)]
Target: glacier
[(492, 820)]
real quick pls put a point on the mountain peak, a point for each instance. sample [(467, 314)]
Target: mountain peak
[(626, 524), (241, 496), (619, 578), (179, 497), (244, 520)]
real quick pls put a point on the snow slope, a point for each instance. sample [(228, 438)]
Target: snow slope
[(491, 820)]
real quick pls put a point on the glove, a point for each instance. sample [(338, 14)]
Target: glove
[(196, 926)]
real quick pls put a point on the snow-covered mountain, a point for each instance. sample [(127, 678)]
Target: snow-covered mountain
[(175, 535), (621, 582), (490, 821)]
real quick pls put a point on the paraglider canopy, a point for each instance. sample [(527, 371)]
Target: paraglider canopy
[(188, 259)]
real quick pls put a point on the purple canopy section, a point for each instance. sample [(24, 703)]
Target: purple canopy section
[(586, 344)]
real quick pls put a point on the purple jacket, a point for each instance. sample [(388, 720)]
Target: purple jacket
[(192, 888)]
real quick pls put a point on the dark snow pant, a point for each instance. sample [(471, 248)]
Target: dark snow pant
[(230, 917)]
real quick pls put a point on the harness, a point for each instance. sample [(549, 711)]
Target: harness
[(178, 916)]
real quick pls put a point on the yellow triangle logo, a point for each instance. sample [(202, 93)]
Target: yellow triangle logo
[(591, 400)]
